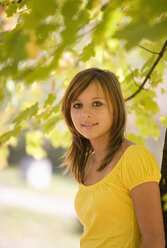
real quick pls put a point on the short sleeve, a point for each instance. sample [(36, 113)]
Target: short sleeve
[(139, 166)]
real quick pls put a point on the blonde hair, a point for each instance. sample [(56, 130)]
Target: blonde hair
[(80, 149)]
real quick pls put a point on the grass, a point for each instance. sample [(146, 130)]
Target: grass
[(21, 228)]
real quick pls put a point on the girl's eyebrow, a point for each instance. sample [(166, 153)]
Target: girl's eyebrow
[(76, 100), (98, 97), (94, 98)]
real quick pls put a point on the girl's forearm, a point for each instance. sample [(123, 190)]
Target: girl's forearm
[(153, 243)]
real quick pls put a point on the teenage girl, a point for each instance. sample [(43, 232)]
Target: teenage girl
[(118, 200)]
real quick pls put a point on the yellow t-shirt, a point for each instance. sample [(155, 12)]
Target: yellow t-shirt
[(106, 210)]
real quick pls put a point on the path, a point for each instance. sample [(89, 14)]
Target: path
[(52, 205)]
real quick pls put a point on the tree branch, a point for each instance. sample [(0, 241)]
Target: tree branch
[(164, 48), (148, 50)]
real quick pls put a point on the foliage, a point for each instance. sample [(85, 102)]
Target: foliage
[(50, 41)]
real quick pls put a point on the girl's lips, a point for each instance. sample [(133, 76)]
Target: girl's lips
[(89, 124)]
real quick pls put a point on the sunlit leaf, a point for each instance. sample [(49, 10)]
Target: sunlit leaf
[(59, 138), (136, 139), (26, 114), (6, 136), (49, 32), (12, 7), (49, 101), (164, 120), (147, 126), (34, 142), (51, 122), (91, 4), (88, 52), (164, 198)]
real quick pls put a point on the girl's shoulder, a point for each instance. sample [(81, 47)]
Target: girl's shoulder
[(139, 166), (136, 151)]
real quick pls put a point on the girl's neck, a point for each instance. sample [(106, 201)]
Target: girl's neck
[(99, 151)]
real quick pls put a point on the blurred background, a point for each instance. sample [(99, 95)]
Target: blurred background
[(36, 219), (36, 202)]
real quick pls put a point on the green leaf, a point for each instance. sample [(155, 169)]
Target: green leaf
[(57, 55), (164, 120), (43, 31), (147, 65), (59, 138), (83, 17), (136, 139), (48, 113), (132, 33), (73, 6), (13, 50), (106, 28), (22, 3), (51, 122), (26, 114), (161, 27), (135, 32), (88, 52), (163, 91), (12, 8), (6, 136), (165, 206), (144, 102), (41, 8), (128, 86), (72, 20), (34, 142), (38, 73), (49, 101), (147, 126), (14, 42), (69, 34), (164, 198), (91, 4), (2, 89), (145, 107), (49, 30), (156, 9)]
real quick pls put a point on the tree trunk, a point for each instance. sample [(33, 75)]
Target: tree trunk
[(163, 182)]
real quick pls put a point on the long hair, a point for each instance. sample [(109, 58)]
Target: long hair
[(80, 149)]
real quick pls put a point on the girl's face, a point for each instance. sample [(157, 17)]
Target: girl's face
[(92, 114)]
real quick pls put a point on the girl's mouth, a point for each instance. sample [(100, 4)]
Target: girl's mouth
[(89, 124)]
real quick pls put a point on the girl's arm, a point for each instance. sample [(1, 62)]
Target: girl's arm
[(147, 205)]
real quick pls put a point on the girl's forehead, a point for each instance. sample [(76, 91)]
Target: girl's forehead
[(94, 88)]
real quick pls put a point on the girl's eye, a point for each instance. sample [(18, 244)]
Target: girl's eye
[(97, 104), (77, 105)]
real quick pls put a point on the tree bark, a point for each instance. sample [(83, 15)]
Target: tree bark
[(163, 183)]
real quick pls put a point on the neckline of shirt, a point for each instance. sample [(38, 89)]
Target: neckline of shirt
[(112, 171)]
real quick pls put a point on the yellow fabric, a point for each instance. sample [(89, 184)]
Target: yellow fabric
[(106, 210)]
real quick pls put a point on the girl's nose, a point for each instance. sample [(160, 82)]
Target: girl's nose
[(86, 114)]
